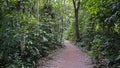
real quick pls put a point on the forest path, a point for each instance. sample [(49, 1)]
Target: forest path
[(70, 57)]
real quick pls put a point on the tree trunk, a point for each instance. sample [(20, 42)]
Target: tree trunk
[(76, 27), (76, 12)]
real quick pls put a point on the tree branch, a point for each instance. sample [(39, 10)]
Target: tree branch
[(78, 5), (74, 3)]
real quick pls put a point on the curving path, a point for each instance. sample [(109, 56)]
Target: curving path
[(70, 57)]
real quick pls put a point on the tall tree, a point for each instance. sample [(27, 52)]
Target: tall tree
[(76, 4)]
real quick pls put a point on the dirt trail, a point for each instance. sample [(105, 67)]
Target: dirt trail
[(70, 57)]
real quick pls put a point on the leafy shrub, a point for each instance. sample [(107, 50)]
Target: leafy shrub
[(23, 38)]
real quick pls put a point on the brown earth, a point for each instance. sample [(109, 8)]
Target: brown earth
[(70, 57)]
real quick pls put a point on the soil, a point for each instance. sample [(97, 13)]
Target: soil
[(70, 57)]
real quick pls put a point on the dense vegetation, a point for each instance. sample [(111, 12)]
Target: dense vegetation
[(31, 29), (99, 27)]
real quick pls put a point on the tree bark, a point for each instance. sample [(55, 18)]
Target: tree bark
[(76, 12)]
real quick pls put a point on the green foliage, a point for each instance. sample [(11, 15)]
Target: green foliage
[(31, 29), (100, 31), (25, 37), (69, 35), (103, 37)]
